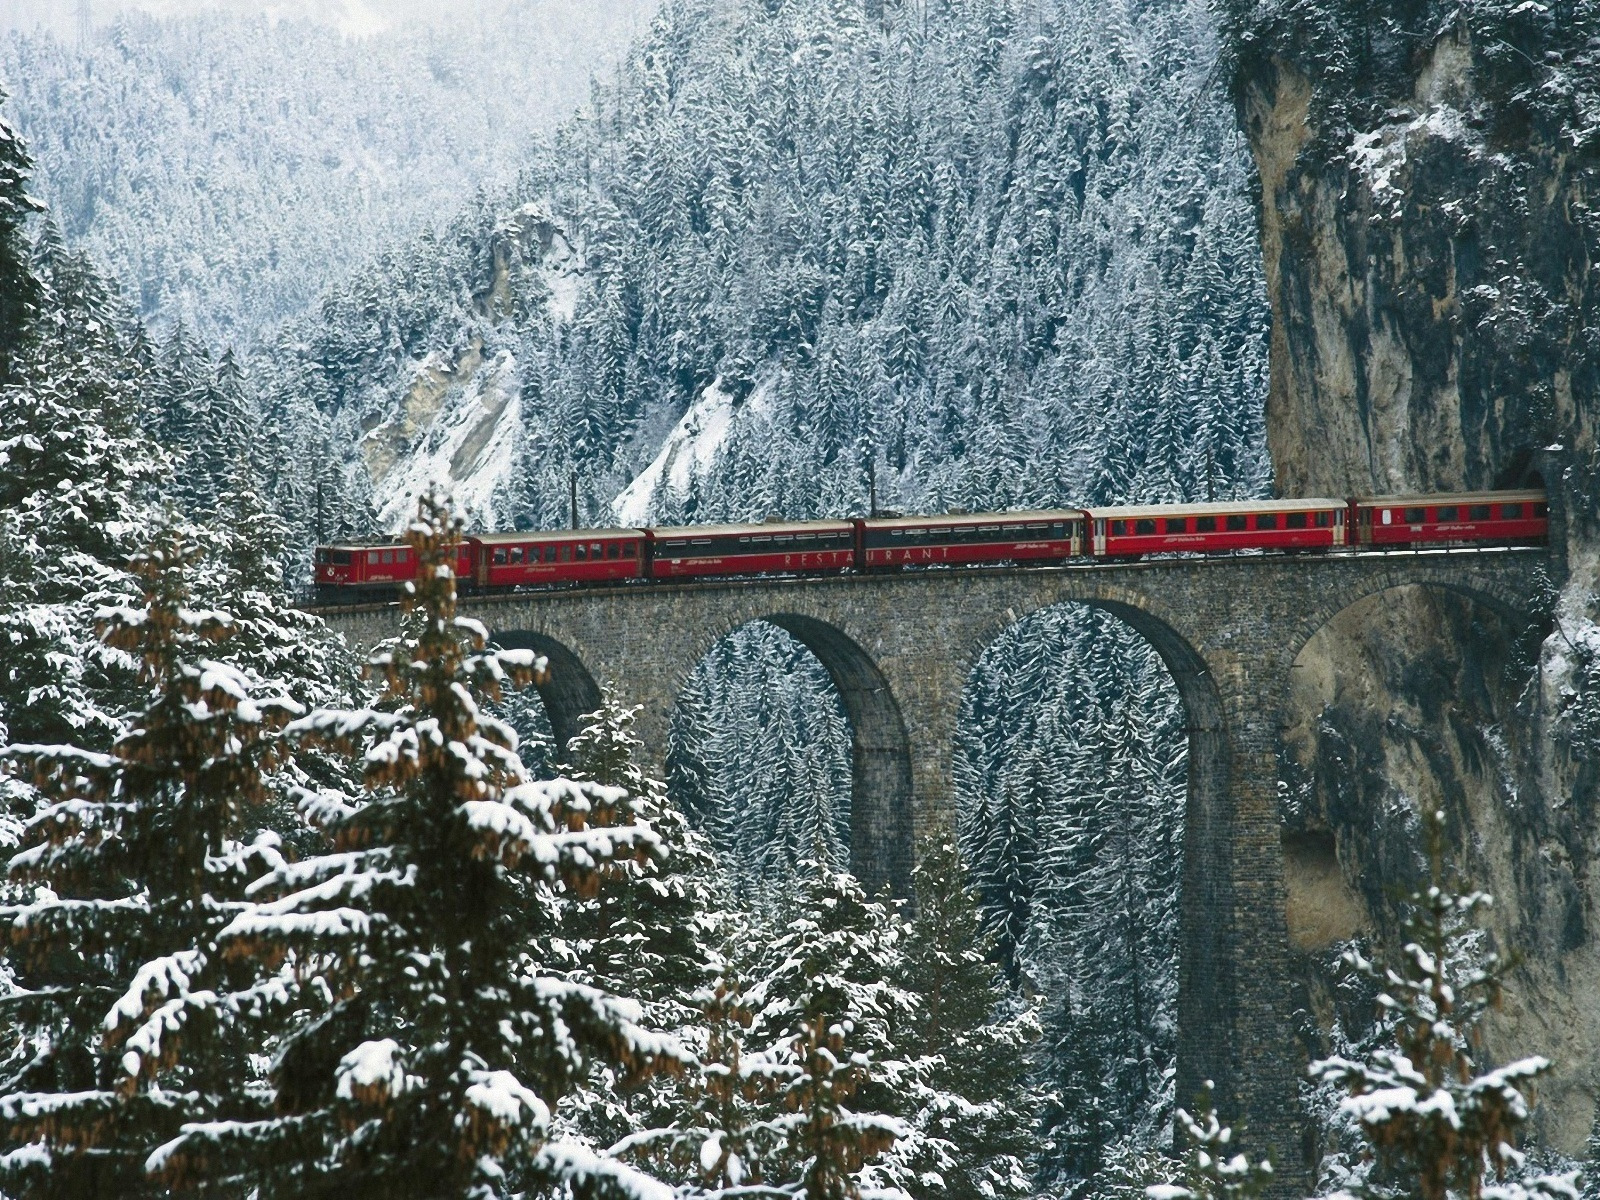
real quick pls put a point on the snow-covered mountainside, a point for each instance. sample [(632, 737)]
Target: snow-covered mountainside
[(457, 425), (1076, 315), (226, 169), (689, 458)]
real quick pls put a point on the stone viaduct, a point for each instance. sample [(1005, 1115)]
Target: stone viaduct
[(901, 648)]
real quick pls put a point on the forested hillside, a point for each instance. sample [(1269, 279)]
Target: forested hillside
[(962, 254), (226, 170), (958, 254)]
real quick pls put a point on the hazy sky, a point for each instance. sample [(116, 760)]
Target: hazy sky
[(353, 16)]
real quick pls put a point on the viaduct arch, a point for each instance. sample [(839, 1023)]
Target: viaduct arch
[(900, 649)]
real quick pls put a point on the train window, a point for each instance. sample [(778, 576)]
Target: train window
[(1322, 520), (516, 556), (1510, 512), (783, 539), (1039, 528), (565, 553), (1205, 524), (1267, 521), (1294, 520), (499, 556), (707, 541), (805, 537), (1177, 524), (1448, 512), (1236, 523), (896, 532), (1144, 525), (1013, 530), (1415, 516), (583, 552), (612, 550), (1117, 528), (372, 558), (629, 550), (388, 557), (1058, 530), (1478, 512)]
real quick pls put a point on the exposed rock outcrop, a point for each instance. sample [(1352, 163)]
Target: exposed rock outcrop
[(1430, 178)]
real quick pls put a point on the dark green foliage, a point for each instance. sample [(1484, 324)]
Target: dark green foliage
[(975, 1097), (129, 870), (421, 1044), (19, 289), (1213, 1166)]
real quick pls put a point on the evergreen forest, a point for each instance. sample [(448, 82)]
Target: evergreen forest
[(291, 920)]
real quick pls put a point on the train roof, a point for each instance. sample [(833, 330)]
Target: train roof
[(1523, 496), (397, 544), (965, 519), (1217, 508), (552, 535), (677, 532)]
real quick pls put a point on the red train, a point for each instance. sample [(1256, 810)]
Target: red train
[(490, 562)]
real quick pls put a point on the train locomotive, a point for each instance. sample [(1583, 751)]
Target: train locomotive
[(503, 562)]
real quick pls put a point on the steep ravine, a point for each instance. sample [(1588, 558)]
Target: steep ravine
[(1428, 185)]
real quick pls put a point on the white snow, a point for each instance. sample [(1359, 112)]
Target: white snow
[(690, 451), (469, 449), (501, 1097), (372, 1069)]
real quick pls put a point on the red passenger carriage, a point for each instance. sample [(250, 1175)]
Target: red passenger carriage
[(777, 547), (1211, 528), (1460, 518), (1046, 535), (508, 560)]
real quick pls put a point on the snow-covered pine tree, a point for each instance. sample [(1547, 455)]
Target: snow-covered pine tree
[(831, 978), (19, 289), (427, 1045), (656, 927), (975, 1102), (244, 571), (128, 872), (74, 488), (1213, 1167), (830, 1148), (726, 1131), (1435, 1126), (652, 931)]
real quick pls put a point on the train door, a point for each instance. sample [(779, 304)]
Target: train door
[(1099, 535), (1339, 538)]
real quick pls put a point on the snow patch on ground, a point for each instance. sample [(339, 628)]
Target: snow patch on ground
[(691, 450), (469, 448)]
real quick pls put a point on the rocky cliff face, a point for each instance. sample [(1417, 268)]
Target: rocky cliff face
[(1429, 183)]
